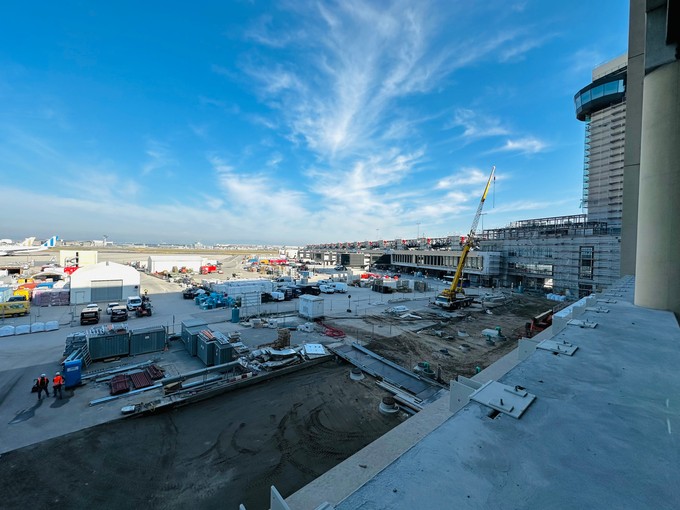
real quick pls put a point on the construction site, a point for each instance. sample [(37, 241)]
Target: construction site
[(453, 344)]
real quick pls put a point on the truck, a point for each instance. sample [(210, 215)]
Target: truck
[(15, 307), (208, 269)]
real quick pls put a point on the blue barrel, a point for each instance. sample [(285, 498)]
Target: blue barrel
[(235, 315), (72, 373)]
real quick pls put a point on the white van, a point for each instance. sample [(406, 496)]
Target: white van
[(133, 302), (327, 289), (340, 287)]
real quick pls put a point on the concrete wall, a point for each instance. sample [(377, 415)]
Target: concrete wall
[(658, 249), (658, 227), (631, 168)]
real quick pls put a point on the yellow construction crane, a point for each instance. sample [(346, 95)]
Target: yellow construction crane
[(449, 297)]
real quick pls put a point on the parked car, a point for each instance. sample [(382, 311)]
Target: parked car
[(119, 313), (327, 289), (190, 293), (93, 306), (110, 307), (89, 316), (340, 287), (133, 302)]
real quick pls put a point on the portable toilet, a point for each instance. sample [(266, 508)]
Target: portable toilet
[(72, 373), (235, 315)]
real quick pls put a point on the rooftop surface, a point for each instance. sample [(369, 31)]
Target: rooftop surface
[(603, 428)]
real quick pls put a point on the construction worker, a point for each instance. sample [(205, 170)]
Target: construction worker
[(42, 384), (57, 383)]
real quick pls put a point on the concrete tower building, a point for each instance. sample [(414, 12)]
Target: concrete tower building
[(602, 105)]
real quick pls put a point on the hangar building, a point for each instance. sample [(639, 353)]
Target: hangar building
[(105, 281)]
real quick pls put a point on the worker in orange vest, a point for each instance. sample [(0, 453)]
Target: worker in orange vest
[(42, 384), (57, 383)]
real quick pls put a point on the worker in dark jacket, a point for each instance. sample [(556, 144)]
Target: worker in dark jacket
[(43, 383), (57, 383)]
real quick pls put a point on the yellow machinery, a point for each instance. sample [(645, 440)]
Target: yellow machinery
[(449, 297)]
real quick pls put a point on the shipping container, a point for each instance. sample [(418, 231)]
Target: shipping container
[(206, 351), (143, 340), (109, 346), (190, 323), (223, 353), (190, 338)]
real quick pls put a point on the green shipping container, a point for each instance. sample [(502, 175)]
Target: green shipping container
[(206, 351), (109, 346), (223, 353), (145, 340), (192, 323), (190, 338)]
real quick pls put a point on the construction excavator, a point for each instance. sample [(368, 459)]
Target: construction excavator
[(454, 297)]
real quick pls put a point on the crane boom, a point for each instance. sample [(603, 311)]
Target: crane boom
[(456, 284)]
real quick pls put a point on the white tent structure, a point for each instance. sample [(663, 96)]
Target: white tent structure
[(105, 281)]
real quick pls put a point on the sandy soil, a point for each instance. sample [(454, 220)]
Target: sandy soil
[(213, 454), (440, 345)]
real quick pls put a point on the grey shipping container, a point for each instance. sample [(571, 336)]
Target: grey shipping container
[(109, 346), (206, 351), (147, 340), (190, 338), (192, 323), (223, 353)]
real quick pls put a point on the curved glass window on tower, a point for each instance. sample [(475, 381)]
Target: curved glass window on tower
[(600, 94)]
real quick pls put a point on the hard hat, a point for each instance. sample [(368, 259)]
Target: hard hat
[(43, 375), (57, 373)]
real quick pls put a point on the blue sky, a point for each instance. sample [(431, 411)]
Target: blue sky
[(292, 122)]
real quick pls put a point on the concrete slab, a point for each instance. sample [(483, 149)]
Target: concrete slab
[(600, 429)]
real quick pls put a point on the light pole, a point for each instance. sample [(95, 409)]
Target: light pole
[(349, 301), (418, 234)]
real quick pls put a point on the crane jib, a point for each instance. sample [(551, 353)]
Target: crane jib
[(456, 285)]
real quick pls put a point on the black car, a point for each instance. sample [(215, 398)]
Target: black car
[(119, 314), (89, 316), (190, 293)]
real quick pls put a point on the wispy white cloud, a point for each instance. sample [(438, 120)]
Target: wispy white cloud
[(360, 60), (158, 155), (200, 130), (530, 205), (466, 177), (477, 125), (527, 145), (518, 50)]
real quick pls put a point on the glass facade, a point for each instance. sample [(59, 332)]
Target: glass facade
[(610, 88)]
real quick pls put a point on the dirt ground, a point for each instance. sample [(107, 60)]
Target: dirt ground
[(443, 346), (214, 454)]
